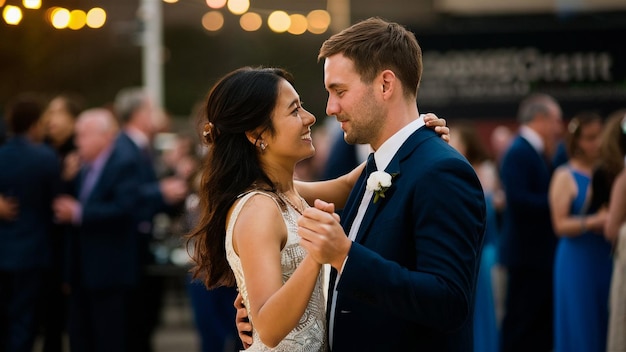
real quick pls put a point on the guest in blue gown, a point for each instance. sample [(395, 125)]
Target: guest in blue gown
[(583, 266), (465, 139)]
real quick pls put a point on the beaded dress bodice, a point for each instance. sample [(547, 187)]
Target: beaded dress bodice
[(310, 333)]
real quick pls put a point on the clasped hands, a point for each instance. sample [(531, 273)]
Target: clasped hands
[(322, 237)]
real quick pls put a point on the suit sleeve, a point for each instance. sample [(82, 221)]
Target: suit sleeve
[(520, 178), (442, 223), (120, 204)]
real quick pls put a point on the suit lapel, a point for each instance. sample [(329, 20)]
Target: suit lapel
[(405, 150)]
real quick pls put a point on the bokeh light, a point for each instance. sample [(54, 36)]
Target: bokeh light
[(279, 21), (170, 1), (298, 24), (216, 4), (32, 4), (213, 21), (250, 21), (12, 15), (2, 2), (60, 18), (96, 17), (238, 7), (319, 20), (78, 19)]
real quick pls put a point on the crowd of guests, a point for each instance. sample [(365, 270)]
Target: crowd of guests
[(80, 189), (555, 211)]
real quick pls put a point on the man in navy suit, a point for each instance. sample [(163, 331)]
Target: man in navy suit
[(404, 265), (528, 242), (103, 248), (137, 113), (29, 179)]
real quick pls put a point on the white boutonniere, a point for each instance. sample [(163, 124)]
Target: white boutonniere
[(379, 182)]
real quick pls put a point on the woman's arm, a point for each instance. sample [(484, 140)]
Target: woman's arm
[(617, 208), (259, 235), (561, 195), (336, 191)]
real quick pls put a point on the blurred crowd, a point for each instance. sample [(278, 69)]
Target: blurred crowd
[(95, 201)]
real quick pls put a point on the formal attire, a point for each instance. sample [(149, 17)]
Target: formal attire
[(486, 330), (409, 279), (145, 306), (53, 301), (582, 276), (213, 309), (103, 264), (527, 246), (617, 316), (310, 333), (30, 174)]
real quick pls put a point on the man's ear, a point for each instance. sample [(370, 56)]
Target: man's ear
[(388, 82)]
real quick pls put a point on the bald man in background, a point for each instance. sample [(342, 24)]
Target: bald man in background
[(103, 265)]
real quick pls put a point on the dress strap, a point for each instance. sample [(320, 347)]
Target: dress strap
[(278, 200)]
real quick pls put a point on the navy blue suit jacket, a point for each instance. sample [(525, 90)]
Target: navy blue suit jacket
[(409, 280), (104, 245), (150, 197), (30, 173), (528, 240)]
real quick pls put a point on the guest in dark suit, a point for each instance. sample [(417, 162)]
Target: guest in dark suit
[(137, 113), (528, 242), (404, 274), (59, 118), (103, 247), (28, 182), (342, 158)]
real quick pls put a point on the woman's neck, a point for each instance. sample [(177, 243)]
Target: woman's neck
[(582, 164)]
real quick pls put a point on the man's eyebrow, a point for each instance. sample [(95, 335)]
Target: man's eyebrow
[(334, 85)]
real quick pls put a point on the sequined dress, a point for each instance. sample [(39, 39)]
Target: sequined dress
[(310, 333)]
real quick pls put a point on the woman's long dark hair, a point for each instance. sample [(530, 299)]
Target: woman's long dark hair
[(240, 102)]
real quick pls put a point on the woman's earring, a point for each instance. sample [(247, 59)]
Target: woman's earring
[(262, 146)]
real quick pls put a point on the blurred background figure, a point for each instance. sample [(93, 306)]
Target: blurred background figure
[(582, 264), (610, 164), (466, 140), (102, 260), (500, 139), (212, 310), (614, 149), (28, 182), (342, 157), (527, 241), (59, 118), (140, 120)]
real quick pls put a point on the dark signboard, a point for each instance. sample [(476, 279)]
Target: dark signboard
[(483, 73)]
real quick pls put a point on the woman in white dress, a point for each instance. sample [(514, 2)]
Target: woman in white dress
[(247, 236)]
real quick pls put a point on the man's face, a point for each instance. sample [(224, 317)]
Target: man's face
[(352, 102), (90, 139)]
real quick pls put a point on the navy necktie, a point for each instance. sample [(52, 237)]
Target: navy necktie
[(370, 166)]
